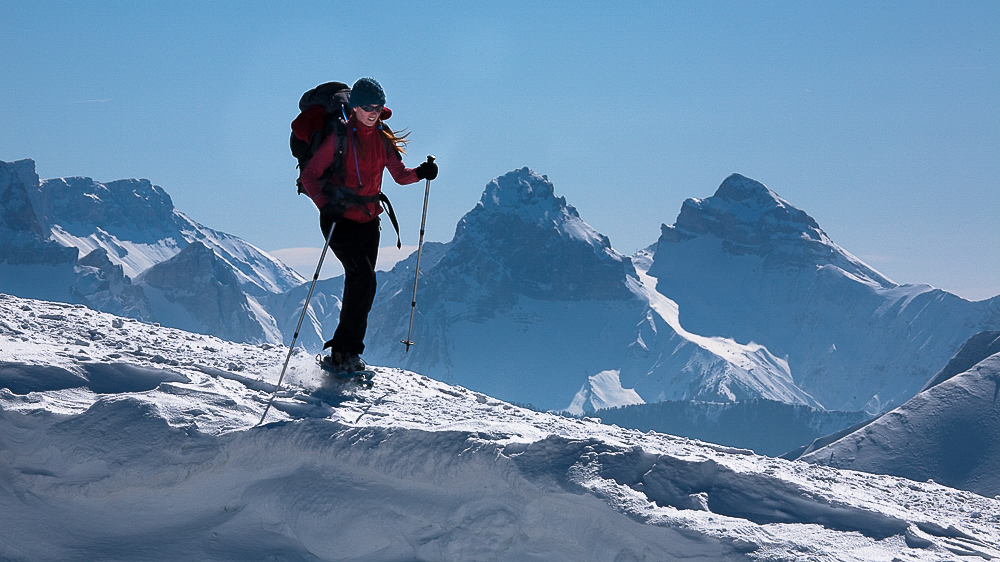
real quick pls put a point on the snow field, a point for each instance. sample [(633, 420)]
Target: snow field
[(125, 441)]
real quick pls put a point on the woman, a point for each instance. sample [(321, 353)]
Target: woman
[(371, 148)]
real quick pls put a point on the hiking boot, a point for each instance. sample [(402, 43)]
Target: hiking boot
[(353, 362), (330, 365), (343, 362)]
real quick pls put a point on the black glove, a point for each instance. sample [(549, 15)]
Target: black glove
[(427, 171), (328, 215)]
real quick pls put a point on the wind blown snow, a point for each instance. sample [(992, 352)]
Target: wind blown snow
[(121, 440)]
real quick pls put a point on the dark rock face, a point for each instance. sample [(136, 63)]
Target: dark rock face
[(522, 239), (23, 238), (102, 285)]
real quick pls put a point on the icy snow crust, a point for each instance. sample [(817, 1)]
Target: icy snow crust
[(127, 441)]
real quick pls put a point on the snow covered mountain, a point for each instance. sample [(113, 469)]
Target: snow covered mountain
[(121, 440), (125, 229), (137, 224), (747, 265), (745, 298), (949, 433), (527, 283)]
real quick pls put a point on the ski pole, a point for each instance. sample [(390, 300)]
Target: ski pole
[(416, 274), (302, 316)]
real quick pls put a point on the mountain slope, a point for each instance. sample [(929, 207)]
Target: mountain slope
[(122, 441), (747, 265), (950, 432), (198, 292)]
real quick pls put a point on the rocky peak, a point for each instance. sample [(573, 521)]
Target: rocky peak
[(23, 237), (135, 205), (523, 236), (521, 189), (747, 213), (16, 210), (750, 219)]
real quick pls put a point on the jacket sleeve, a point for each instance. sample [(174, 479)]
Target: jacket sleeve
[(314, 169), (399, 172)]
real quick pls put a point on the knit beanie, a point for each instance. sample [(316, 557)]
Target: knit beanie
[(366, 91)]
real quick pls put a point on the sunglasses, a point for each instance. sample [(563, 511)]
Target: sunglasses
[(370, 108)]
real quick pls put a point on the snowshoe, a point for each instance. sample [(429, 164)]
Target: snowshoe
[(343, 372)]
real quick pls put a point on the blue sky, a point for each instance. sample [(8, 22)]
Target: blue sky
[(879, 119)]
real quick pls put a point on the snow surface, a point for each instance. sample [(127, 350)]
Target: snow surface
[(121, 440)]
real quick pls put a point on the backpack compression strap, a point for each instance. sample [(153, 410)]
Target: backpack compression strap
[(392, 217)]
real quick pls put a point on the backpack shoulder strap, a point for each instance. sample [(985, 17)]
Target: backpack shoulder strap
[(336, 167)]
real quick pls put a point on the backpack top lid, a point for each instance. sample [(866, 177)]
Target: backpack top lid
[(332, 96)]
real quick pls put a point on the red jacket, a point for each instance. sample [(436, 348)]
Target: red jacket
[(371, 162)]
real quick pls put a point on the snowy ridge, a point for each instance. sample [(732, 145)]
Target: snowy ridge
[(950, 433), (745, 371), (603, 390), (123, 440)]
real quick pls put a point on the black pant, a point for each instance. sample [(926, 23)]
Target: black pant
[(356, 246)]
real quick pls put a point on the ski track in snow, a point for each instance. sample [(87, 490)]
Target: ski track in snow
[(125, 441)]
